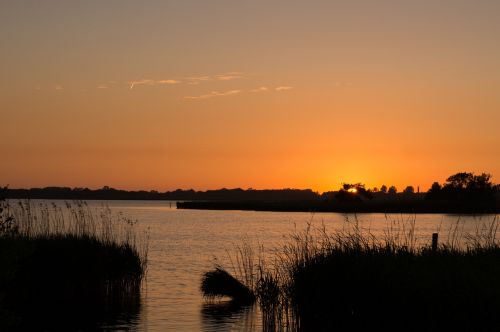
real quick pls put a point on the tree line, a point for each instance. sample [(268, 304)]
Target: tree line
[(461, 188)]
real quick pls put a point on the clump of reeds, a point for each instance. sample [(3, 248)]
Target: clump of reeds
[(219, 283), (55, 257), (252, 279), (353, 279)]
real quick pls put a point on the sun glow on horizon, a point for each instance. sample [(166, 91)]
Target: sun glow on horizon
[(198, 96)]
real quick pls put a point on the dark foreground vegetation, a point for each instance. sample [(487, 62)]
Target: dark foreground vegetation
[(219, 283), (359, 286), (67, 268), (353, 281)]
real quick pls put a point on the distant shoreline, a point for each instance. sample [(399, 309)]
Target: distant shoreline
[(290, 200), (107, 193), (414, 207)]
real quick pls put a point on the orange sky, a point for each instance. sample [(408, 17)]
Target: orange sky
[(209, 94)]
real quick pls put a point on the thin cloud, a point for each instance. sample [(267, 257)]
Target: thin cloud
[(141, 82), (59, 87), (283, 88), (260, 89), (152, 82), (214, 94), (168, 82), (102, 87), (199, 78), (229, 76), (192, 80), (233, 75)]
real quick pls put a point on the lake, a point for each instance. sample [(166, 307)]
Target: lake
[(186, 243)]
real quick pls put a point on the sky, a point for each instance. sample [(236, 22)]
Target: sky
[(160, 95)]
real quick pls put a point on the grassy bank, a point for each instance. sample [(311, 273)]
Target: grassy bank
[(353, 280), (353, 283), (67, 266)]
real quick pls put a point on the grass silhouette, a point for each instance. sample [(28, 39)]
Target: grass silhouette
[(354, 280), (67, 264)]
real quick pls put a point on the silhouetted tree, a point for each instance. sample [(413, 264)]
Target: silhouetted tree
[(392, 190), (409, 190), (383, 189), (434, 192), (459, 180), (466, 190), (353, 192), (467, 186)]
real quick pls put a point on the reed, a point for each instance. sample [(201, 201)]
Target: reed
[(220, 283), (352, 279), (68, 259)]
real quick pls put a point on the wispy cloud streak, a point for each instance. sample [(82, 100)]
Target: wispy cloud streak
[(260, 89), (192, 80), (283, 88), (233, 75), (133, 84), (229, 76), (214, 94)]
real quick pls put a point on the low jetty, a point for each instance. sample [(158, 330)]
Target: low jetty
[(388, 206)]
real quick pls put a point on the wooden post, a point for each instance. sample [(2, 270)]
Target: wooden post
[(434, 241)]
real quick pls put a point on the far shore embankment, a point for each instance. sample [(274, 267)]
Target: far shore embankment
[(399, 206)]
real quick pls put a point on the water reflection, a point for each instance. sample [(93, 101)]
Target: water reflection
[(124, 317), (184, 243), (76, 316), (228, 316)]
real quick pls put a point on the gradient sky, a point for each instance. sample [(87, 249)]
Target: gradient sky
[(263, 94)]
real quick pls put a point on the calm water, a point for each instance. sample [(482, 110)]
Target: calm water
[(184, 244)]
